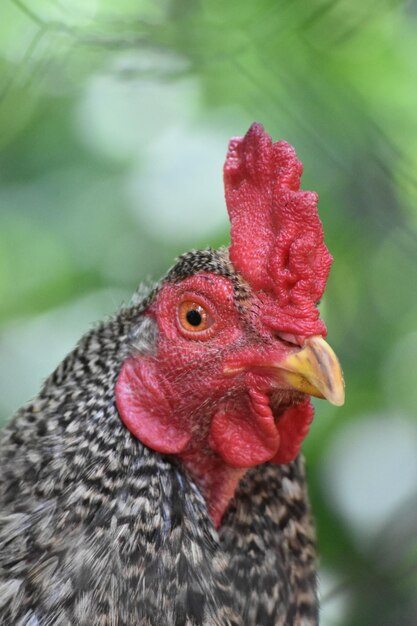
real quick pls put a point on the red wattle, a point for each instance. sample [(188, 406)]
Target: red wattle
[(242, 438), (293, 427)]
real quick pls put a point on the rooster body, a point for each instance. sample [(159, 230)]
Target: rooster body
[(108, 519)]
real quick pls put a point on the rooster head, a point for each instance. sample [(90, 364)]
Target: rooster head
[(239, 347)]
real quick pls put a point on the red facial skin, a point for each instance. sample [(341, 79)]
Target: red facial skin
[(181, 401)]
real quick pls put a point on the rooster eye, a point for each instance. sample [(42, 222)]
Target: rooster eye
[(193, 317)]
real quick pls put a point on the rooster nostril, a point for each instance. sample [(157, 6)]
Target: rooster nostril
[(289, 339)]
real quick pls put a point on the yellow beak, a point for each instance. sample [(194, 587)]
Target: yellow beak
[(315, 370)]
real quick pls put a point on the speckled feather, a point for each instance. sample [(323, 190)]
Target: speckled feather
[(98, 530)]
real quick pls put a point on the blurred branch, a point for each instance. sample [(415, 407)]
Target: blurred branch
[(30, 14), (28, 53), (78, 34), (43, 24)]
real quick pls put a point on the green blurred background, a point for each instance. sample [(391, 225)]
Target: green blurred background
[(114, 122)]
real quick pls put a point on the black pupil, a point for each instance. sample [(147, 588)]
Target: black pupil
[(194, 317)]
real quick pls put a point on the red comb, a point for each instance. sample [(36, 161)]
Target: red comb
[(276, 234)]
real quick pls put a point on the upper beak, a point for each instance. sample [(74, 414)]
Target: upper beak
[(315, 370)]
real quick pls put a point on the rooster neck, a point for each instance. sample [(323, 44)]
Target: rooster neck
[(216, 480)]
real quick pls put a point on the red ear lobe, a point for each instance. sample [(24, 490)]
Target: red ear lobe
[(141, 400)]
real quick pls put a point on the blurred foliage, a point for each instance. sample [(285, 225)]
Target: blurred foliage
[(114, 120)]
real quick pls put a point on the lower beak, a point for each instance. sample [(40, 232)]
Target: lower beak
[(314, 370)]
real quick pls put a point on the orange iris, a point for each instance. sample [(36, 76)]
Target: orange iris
[(193, 317)]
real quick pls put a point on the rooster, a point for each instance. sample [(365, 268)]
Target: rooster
[(156, 479)]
